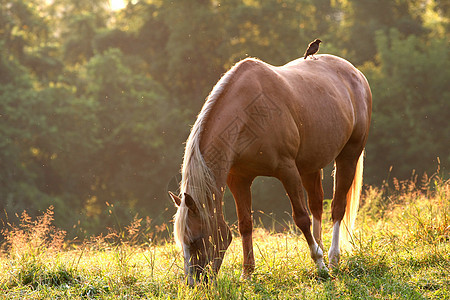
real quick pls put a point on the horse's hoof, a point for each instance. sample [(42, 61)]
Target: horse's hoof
[(324, 274), (323, 271), (333, 266), (334, 263), (333, 257)]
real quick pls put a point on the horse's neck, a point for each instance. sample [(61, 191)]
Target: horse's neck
[(221, 182), (219, 171), (218, 160)]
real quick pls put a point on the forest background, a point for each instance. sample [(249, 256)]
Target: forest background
[(95, 103)]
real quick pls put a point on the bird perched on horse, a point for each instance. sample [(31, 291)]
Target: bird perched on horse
[(313, 48)]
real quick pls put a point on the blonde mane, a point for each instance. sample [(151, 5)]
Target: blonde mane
[(197, 178)]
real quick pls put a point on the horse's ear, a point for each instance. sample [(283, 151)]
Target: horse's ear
[(190, 203), (176, 200)]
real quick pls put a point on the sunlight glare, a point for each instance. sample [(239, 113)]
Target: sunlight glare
[(117, 4)]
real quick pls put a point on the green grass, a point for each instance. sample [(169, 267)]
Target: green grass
[(401, 251)]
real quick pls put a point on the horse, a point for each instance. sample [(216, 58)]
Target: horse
[(287, 122)]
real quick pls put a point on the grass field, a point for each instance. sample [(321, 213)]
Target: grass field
[(401, 251)]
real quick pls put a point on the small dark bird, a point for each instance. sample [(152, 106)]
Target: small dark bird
[(312, 49)]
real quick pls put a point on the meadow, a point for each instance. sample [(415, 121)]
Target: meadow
[(400, 251)]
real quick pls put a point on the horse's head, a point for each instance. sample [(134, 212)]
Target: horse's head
[(203, 235)]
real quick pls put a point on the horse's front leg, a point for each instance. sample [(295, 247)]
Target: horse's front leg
[(240, 188)]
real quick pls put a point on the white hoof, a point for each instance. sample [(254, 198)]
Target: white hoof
[(317, 256), (322, 270), (334, 257)]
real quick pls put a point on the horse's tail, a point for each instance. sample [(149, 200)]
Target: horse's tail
[(352, 206)]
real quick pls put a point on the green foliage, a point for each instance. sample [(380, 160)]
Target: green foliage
[(132, 114), (364, 18), (411, 101), (40, 142)]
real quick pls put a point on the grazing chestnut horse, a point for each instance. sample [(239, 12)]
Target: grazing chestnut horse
[(287, 122)]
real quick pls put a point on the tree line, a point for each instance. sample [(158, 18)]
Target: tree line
[(95, 104)]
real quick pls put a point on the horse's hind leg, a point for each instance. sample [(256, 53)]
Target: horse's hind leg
[(313, 185), (240, 188), (344, 176), (290, 178)]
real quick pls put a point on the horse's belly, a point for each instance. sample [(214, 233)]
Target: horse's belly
[(312, 162)]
